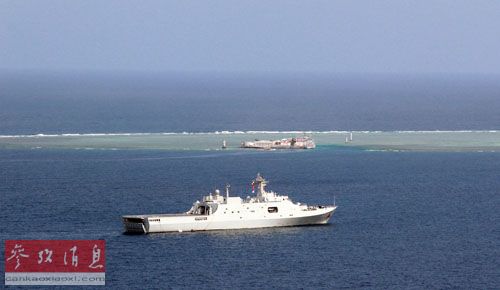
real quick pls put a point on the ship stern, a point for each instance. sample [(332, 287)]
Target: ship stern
[(134, 225)]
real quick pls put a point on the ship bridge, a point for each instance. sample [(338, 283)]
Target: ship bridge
[(262, 194)]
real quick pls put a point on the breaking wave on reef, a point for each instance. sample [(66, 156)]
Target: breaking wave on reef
[(464, 140), (242, 133)]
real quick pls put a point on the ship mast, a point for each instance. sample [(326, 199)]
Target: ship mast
[(261, 184)]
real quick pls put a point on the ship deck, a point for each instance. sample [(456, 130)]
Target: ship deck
[(158, 215)]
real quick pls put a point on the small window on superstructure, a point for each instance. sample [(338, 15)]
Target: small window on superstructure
[(272, 209)]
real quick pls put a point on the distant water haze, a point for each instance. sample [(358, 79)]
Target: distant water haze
[(57, 103)]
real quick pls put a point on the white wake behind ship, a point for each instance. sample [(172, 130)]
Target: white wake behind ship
[(218, 212)]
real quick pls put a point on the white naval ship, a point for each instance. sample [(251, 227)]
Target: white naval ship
[(218, 212)]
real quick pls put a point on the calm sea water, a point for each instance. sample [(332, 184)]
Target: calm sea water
[(405, 219), (72, 103)]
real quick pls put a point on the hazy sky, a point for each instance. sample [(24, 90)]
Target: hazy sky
[(252, 36)]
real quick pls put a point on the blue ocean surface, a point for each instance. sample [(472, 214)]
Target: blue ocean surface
[(46, 103), (421, 220), (412, 212)]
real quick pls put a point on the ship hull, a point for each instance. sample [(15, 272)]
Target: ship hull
[(184, 222)]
